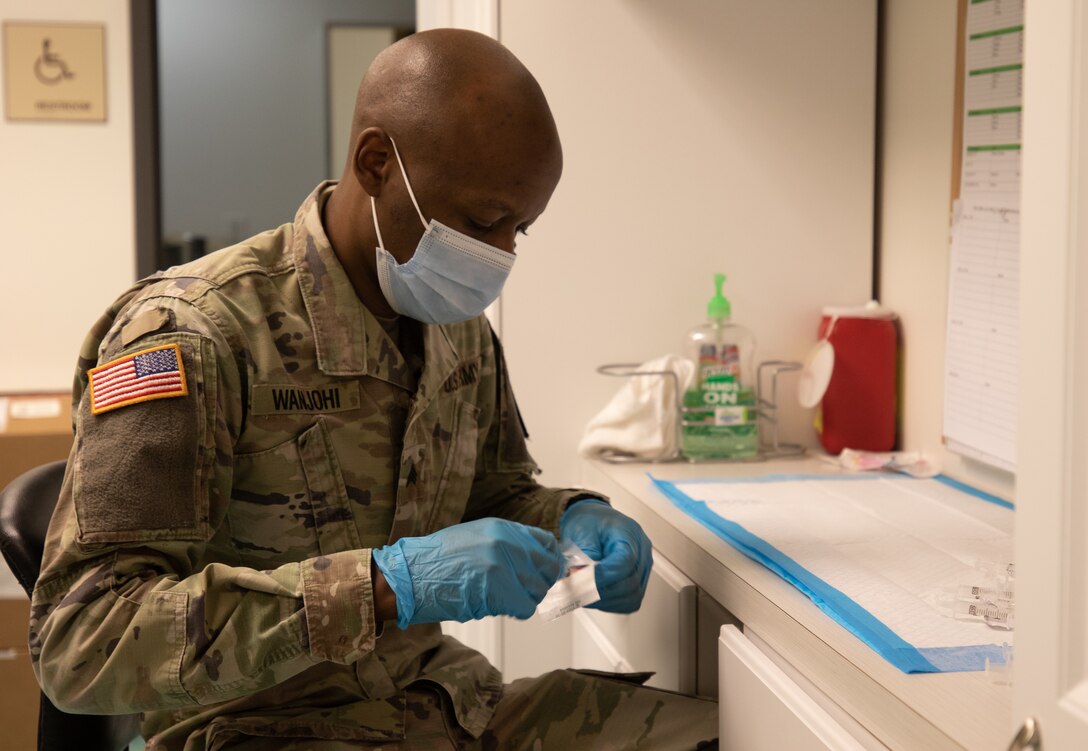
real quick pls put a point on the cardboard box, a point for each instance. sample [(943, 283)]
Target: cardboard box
[(34, 429), (14, 624), (19, 692)]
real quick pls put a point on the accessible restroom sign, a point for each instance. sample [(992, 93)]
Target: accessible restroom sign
[(54, 71)]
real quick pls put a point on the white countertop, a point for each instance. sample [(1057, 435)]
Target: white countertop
[(910, 712)]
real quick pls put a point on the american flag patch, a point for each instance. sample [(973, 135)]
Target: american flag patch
[(156, 373)]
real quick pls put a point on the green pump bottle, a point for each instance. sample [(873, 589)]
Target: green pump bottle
[(720, 418)]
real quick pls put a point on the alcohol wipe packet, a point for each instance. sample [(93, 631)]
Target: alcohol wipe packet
[(575, 589)]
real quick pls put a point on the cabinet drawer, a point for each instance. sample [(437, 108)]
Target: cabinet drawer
[(762, 709), (660, 637), (591, 648)]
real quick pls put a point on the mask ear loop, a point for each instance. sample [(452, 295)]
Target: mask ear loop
[(412, 195), (407, 184), (374, 216)]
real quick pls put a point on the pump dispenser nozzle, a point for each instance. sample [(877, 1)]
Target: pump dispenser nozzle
[(719, 307)]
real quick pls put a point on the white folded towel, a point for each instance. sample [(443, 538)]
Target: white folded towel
[(640, 421)]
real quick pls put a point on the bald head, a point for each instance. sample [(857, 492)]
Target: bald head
[(453, 89), (453, 119)]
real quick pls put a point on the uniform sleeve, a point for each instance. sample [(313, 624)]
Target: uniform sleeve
[(504, 485), (125, 615)]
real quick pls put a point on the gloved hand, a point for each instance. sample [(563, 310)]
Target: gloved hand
[(471, 570), (617, 542)]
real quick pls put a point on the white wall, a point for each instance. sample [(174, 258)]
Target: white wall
[(698, 137), (476, 15), (919, 82), (66, 205), (244, 108)]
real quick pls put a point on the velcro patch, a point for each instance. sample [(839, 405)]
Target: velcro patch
[(155, 373), (145, 323), (289, 398)]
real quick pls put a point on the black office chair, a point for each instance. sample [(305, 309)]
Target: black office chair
[(26, 505)]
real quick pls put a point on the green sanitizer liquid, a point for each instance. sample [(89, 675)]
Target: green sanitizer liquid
[(720, 418)]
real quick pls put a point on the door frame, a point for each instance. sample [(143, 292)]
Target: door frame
[(1051, 668), (144, 37)]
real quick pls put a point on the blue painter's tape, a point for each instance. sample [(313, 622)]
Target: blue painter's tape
[(964, 659), (842, 609), (963, 487)]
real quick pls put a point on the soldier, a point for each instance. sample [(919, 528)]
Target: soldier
[(298, 455)]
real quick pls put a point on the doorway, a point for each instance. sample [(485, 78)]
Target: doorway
[(235, 108)]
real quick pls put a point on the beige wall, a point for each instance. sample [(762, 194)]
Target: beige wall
[(698, 137), (66, 205), (919, 83)]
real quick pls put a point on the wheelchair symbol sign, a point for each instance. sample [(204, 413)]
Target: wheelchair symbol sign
[(49, 68), (54, 71)]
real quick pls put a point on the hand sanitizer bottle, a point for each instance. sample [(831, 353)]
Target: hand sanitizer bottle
[(720, 418)]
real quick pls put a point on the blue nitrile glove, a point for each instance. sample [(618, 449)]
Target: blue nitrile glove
[(471, 570), (617, 542)]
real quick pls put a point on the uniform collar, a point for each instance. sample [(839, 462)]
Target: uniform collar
[(348, 339)]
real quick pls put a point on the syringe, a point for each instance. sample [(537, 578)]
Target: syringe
[(993, 614)]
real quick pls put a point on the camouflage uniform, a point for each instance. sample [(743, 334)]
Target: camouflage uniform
[(209, 561)]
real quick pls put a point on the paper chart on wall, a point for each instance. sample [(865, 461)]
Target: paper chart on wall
[(981, 350)]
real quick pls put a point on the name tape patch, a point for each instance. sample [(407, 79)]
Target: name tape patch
[(155, 373), (466, 375), (287, 399)]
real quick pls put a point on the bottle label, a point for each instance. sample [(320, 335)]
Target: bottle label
[(733, 416), (720, 399), (721, 389), (713, 363)]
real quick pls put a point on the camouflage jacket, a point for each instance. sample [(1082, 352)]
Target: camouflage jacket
[(209, 560)]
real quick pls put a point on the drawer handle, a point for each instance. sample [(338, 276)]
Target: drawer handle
[(1028, 737)]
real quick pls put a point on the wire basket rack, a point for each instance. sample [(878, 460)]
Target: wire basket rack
[(767, 409)]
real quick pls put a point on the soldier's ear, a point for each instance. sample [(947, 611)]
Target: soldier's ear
[(373, 160)]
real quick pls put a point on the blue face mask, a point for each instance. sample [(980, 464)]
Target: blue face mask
[(452, 277)]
